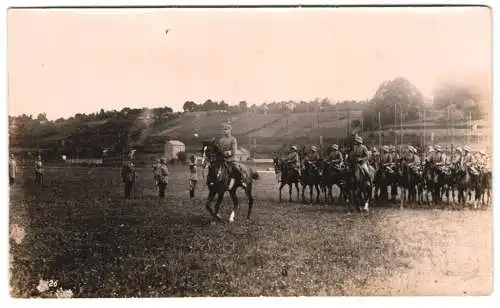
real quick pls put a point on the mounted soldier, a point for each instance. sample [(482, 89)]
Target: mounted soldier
[(395, 155), (439, 159), (468, 161), (412, 158), (429, 155), (293, 159), (457, 157), (229, 145), (386, 160), (375, 158), (313, 155), (360, 155), (335, 157)]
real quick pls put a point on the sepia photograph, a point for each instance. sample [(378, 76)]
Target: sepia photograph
[(163, 152)]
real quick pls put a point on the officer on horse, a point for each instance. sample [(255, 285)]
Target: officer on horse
[(293, 158), (228, 145), (467, 161), (335, 157), (360, 154)]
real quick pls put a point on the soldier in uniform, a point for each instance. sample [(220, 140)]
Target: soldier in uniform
[(395, 155), (128, 177), (484, 162), (228, 144), (12, 169), (375, 158), (385, 158), (429, 156), (360, 154), (313, 155), (457, 156), (468, 161), (335, 157), (156, 167), (440, 158), (162, 178), (293, 158), (193, 176), (412, 158), (38, 170)]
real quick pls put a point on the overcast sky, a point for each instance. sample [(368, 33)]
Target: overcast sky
[(68, 61)]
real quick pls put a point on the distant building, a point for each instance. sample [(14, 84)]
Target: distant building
[(172, 147)]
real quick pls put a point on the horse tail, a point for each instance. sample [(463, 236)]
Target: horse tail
[(255, 175)]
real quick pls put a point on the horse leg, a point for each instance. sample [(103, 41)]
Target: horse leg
[(232, 193), (404, 193), (367, 197), (211, 196), (311, 187), (281, 187), (248, 190), (318, 193), (304, 186), (218, 203), (297, 188)]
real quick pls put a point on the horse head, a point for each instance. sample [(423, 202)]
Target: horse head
[(211, 153)]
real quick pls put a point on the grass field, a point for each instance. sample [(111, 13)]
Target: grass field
[(80, 231)]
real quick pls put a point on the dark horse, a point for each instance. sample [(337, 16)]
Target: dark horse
[(218, 179), (468, 181), (334, 174), (361, 186), (311, 177), (411, 183), (385, 176), (289, 176)]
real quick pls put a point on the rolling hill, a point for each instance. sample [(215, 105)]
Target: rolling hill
[(266, 132)]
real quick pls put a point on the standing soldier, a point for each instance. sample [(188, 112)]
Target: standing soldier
[(12, 169), (193, 177), (38, 170), (128, 177), (335, 157), (229, 146), (156, 168), (293, 158), (162, 178)]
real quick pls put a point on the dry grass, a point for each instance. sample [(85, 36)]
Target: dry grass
[(80, 231)]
